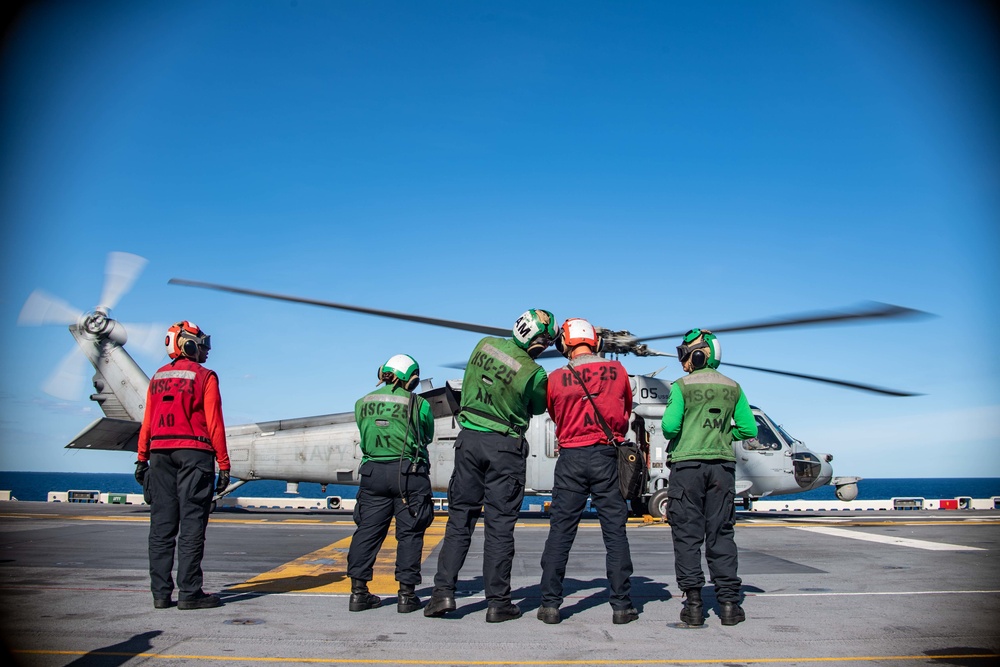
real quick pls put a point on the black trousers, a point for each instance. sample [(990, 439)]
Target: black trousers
[(181, 483), (380, 498), (582, 472), (701, 510), (489, 475)]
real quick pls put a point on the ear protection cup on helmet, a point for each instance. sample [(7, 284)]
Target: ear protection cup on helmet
[(560, 348), (190, 349), (412, 383), (184, 339), (701, 348)]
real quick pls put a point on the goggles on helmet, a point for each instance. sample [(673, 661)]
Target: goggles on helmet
[(701, 339)]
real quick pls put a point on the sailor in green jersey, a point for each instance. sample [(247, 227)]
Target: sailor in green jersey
[(502, 388), (705, 412), (396, 425)]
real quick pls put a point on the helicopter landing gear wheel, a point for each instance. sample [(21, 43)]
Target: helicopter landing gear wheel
[(658, 504)]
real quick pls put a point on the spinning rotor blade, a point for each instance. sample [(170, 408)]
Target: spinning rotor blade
[(42, 308), (147, 337), (68, 378), (870, 311), (802, 376), (119, 274), (450, 324), (815, 378)]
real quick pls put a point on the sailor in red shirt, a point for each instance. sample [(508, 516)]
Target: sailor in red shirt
[(587, 466), (182, 436)]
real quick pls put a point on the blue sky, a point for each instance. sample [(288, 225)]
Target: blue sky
[(650, 166)]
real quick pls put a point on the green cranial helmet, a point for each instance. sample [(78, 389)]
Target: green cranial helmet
[(702, 348), (534, 331), (402, 368)]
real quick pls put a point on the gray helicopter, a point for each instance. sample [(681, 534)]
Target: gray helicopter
[(325, 449)]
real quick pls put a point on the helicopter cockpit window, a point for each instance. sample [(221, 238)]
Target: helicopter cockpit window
[(784, 434), (765, 440)]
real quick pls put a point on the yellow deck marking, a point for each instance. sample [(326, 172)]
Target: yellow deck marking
[(325, 570), (618, 660)]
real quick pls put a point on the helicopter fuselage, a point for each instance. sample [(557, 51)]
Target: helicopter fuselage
[(326, 449)]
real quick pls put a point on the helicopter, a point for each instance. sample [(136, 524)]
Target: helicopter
[(326, 449)]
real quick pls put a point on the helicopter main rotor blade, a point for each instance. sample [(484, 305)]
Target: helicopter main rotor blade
[(872, 310), (815, 378), (802, 376), (449, 324)]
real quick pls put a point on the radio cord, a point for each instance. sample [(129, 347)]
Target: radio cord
[(402, 454)]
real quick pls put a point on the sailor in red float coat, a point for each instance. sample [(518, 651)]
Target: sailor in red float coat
[(182, 438), (587, 467), (608, 382), (183, 400)]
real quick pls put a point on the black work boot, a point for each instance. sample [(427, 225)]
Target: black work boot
[(731, 613), (623, 616), (439, 606), (406, 599), (361, 599), (505, 611), (693, 612), (549, 615), (202, 601)]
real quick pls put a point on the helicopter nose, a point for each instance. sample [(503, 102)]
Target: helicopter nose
[(812, 469)]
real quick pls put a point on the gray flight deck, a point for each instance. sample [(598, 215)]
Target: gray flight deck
[(880, 588)]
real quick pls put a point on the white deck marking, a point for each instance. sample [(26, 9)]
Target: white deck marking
[(886, 539), (838, 594)]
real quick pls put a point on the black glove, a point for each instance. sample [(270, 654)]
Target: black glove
[(141, 468), (222, 482)]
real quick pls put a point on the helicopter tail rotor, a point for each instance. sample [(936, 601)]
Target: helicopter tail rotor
[(43, 309), (120, 274)]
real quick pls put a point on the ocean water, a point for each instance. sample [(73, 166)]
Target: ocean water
[(36, 486)]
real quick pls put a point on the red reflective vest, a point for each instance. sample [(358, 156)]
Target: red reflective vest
[(184, 411), (572, 411)]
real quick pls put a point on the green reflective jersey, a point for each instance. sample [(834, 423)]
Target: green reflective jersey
[(381, 418), (502, 388), (699, 416)]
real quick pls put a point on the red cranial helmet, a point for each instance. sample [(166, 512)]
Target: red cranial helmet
[(577, 331), (185, 339)]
